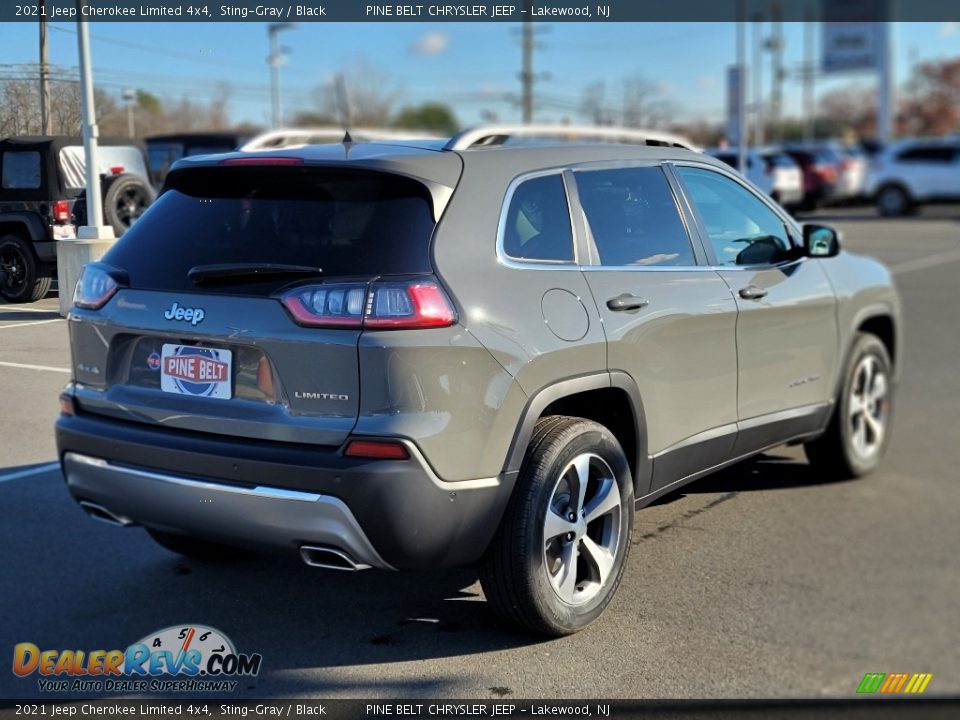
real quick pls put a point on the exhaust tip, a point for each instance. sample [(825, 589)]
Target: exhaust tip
[(99, 512), (330, 558)]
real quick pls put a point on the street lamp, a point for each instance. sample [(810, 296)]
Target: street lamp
[(275, 59)]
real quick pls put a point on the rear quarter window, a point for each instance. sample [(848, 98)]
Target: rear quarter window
[(537, 222)]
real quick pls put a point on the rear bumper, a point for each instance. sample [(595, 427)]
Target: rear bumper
[(384, 513)]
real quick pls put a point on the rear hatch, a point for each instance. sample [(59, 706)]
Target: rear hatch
[(239, 300)]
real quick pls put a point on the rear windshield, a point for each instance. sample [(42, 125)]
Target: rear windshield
[(347, 223)]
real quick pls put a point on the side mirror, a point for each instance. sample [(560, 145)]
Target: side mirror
[(820, 241)]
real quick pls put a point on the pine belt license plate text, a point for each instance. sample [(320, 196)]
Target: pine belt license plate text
[(198, 371)]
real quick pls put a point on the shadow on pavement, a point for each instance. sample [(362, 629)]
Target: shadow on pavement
[(71, 582)]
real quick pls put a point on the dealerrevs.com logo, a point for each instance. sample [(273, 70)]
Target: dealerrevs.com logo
[(180, 658)]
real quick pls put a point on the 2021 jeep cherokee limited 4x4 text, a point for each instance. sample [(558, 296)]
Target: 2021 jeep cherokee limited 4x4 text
[(420, 356)]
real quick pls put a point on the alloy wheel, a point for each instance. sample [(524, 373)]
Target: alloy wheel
[(582, 529)]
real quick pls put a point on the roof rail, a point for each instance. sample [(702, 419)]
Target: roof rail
[(484, 136)]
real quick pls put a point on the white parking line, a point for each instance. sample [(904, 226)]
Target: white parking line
[(24, 366), (31, 322), (17, 308), (32, 471), (922, 263)]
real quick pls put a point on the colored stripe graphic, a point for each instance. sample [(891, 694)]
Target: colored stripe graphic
[(894, 683), (871, 683)]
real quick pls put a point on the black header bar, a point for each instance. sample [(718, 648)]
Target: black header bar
[(424, 11)]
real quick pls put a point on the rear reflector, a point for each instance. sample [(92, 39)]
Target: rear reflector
[(376, 450), (116, 170), (263, 161), (66, 405)]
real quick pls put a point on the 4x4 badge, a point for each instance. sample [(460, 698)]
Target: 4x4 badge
[(193, 316)]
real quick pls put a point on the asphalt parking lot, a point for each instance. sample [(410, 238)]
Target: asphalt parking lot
[(761, 581)]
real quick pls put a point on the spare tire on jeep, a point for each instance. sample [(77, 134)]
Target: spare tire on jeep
[(125, 198)]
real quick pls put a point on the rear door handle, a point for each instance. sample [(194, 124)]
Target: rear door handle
[(627, 302), (752, 292)]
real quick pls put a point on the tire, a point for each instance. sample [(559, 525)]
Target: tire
[(523, 570), (859, 431), (192, 547), (125, 199), (894, 201), (23, 278)]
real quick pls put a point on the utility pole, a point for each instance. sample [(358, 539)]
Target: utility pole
[(129, 96), (776, 89), (809, 73), (46, 121), (758, 117), (526, 75), (94, 238), (885, 91), (275, 59), (741, 89)]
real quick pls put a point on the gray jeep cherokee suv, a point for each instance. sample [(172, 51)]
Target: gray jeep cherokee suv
[(421, 356)]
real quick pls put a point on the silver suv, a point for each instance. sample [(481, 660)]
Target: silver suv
[(395, 356)]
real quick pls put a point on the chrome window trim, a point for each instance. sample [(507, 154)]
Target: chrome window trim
[(519, 263)]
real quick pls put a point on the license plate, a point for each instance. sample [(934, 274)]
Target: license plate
[(197, 371), (64, 232)]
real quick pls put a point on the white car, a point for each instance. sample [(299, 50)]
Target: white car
[(755, 171), (769, 170), (787, 177), (913, 172)]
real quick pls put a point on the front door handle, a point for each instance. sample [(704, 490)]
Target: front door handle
[(627, 302), (752, 292)]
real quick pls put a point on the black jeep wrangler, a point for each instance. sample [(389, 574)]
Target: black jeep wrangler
[(42, 200)]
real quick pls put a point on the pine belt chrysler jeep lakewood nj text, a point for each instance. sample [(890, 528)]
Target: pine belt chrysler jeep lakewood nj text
[(416, 356)]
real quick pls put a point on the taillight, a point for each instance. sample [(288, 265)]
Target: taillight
[(116, 170), (61, 211), (418, 304), (396, 305), (94, 288), (331, 305)]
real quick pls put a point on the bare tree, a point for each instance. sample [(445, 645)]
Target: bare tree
[(643, 104), (359, 95)]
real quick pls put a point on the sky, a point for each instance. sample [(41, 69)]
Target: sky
[(468, 65)]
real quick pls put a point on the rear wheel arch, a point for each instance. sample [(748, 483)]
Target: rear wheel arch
[(30, 228), (610, 399)]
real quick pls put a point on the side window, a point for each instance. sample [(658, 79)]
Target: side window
[(633, 217), (742, 229), (21, 170), (538, 222), (928, 153)]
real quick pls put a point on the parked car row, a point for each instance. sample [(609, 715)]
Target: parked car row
[(898, 178)]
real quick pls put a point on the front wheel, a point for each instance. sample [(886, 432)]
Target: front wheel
[(561, 549), (859, 431)]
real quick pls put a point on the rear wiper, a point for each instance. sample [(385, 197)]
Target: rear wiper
[(226, 272)]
